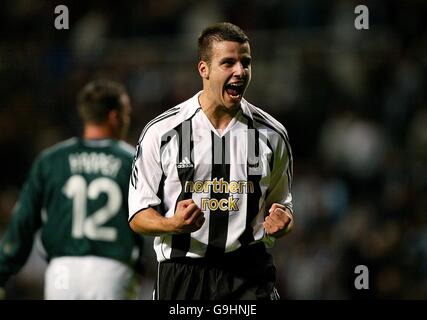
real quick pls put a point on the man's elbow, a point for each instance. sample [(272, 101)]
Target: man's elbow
[(140, 224), (135, 223), (134, 226)]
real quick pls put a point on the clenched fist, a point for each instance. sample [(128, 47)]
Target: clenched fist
[(279, 221), (188, 217)]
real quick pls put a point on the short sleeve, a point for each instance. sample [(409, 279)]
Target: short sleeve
[(281, 174), (146, 173)]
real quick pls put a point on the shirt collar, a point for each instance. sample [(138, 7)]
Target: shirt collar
[(244, 105)]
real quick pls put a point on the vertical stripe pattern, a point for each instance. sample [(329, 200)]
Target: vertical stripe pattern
[(254, 173), (219, 218), (231, 178), (185, 167)]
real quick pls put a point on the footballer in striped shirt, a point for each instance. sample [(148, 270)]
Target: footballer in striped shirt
[(211, 180)]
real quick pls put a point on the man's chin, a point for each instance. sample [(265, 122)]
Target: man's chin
[(231, 102)]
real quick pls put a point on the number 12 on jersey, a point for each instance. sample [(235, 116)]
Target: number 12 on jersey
[(77, 189)]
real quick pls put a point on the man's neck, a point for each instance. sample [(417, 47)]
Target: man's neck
[(218, 115), (97, 132)]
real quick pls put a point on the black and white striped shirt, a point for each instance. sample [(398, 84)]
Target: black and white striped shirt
[(234, 177)]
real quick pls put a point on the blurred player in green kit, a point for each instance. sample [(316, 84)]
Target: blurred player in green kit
[(76, 194)]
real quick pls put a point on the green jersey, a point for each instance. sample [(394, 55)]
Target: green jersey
[(76, 193)]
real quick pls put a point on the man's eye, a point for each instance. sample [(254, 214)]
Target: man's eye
[(246, 63)]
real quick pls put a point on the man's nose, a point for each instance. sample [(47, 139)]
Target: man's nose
[(239, 70)]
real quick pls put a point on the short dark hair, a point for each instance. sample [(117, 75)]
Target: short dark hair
[(223, 31), (98, 98)]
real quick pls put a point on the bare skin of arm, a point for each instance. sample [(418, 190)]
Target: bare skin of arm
[(187, 218)]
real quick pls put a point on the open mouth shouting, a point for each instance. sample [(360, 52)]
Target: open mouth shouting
[(235, 90)]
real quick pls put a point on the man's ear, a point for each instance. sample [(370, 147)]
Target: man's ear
[(203, 68), (113, 117)]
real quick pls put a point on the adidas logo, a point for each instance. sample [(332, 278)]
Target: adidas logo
[(253, 162), (253, 165), (185, 163)]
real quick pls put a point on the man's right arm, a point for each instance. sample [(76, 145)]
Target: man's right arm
[(187, 218), (145, 182)]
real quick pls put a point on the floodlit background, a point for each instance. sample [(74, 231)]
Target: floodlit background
[(354, 104)]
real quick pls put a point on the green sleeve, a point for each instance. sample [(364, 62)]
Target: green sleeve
[(16, 245)]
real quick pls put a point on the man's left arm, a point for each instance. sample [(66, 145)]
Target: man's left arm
[(279, 219), (17, 242)]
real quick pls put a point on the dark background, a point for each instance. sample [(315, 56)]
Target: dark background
[(353, 101)]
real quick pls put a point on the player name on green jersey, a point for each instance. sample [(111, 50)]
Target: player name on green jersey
[(81, 186), (94, 163)]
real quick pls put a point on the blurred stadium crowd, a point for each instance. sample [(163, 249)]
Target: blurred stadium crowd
[(354, 104)]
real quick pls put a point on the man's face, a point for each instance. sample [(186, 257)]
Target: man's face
[(228, 73)]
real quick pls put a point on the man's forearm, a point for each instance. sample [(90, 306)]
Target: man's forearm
[(151, 222)]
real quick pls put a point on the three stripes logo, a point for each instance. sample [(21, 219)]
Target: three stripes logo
[(134, 175), (185, 163)]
